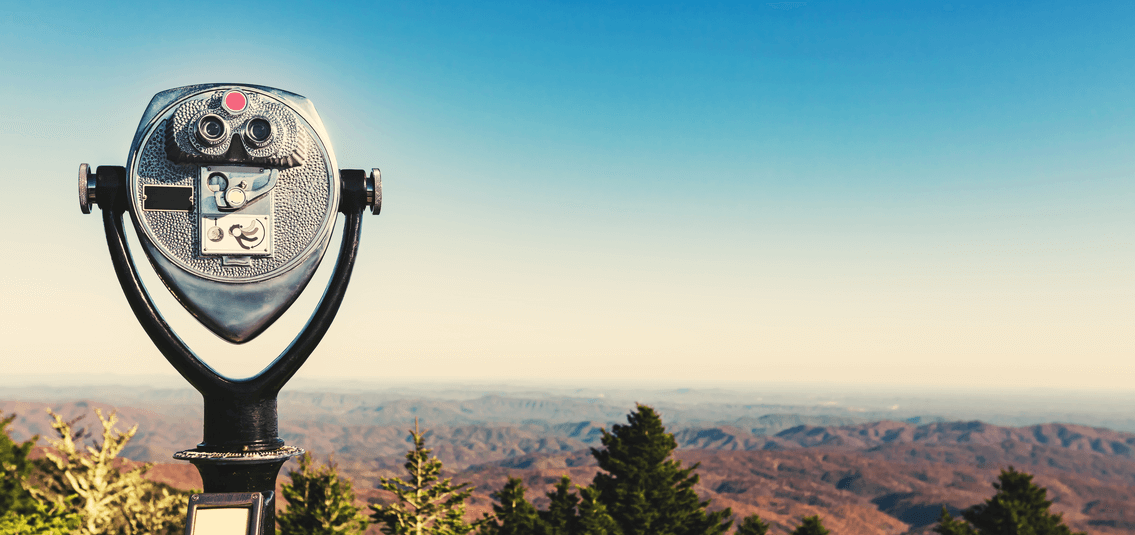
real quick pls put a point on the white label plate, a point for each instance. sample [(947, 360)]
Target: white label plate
[(237, 234)]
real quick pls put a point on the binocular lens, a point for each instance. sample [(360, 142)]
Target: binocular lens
[(211, 130), (259, 131)]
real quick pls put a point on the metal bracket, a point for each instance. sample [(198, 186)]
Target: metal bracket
[(240, 414)]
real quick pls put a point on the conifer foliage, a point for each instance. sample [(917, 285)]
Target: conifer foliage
[(568, 513), (427, 504), (14, 470), (645, 491), (1018, 506), (640, 490), (320, 502), (561, 517), (811, 525), (90, 481), (21, 511), (752, 525), (513, 514), (593, 516)]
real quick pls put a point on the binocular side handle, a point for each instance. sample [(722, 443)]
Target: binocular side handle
[(242, 411), (360, 190), (106, 179)]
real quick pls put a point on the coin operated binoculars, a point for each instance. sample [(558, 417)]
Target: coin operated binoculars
[(234, 192)]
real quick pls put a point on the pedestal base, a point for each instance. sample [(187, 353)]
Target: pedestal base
[(224, 472)]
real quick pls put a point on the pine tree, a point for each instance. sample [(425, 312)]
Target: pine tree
[(561, 517), (593, 516), (947, 525), (645, 491), (88, 481), (1018, 506), (811, 525), (42, 519), (21, 512), (427, 504), (752, 525), (568, 513), (14, 470), (513, 514), (320, 502)]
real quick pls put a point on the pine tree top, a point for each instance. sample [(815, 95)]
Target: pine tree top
[(811, 525), (752, 525), (319, 502), (426, 503), (645, 491), (1018, 506), (639, 446)]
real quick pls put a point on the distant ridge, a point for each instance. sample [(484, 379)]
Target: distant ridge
[(364, 434), (864, 477)]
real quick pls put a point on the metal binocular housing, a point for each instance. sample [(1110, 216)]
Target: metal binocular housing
[(234, 192)]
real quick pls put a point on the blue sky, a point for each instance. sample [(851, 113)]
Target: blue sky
[(898, 193)]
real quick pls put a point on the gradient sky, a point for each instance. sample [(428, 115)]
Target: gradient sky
[(892, 193)]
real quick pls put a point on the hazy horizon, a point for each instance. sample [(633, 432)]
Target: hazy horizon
[(1014, 407)]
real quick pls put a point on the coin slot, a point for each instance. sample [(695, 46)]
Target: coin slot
[(167, 198), (218, 182)]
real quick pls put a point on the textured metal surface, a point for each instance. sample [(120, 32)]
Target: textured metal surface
[(286, 452), (305, 195), (298, 202), (236, 312), (288, 148), (374, 193), (88, 187)]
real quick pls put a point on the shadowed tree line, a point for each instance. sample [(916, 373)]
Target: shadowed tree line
[(81, 487), (639, 490)]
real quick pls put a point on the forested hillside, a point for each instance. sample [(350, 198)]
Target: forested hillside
[(861, 477)]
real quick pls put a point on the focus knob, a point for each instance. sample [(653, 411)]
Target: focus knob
[(88, 188), (374, 191)]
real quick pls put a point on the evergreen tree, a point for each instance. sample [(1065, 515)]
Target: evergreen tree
[(87, 481), (14, 470), (593, 516), (21, 512), (568, 513), (1018, 507), (453, 522), (319, 502), (752, 525), (40, 520), (811, 525), (561, 517), (513, 514), (947, 525), (645, 491), (427, 504)]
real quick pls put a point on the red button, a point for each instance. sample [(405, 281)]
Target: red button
[(235, 101)]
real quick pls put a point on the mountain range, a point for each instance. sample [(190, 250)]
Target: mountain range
[(862, 476)]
